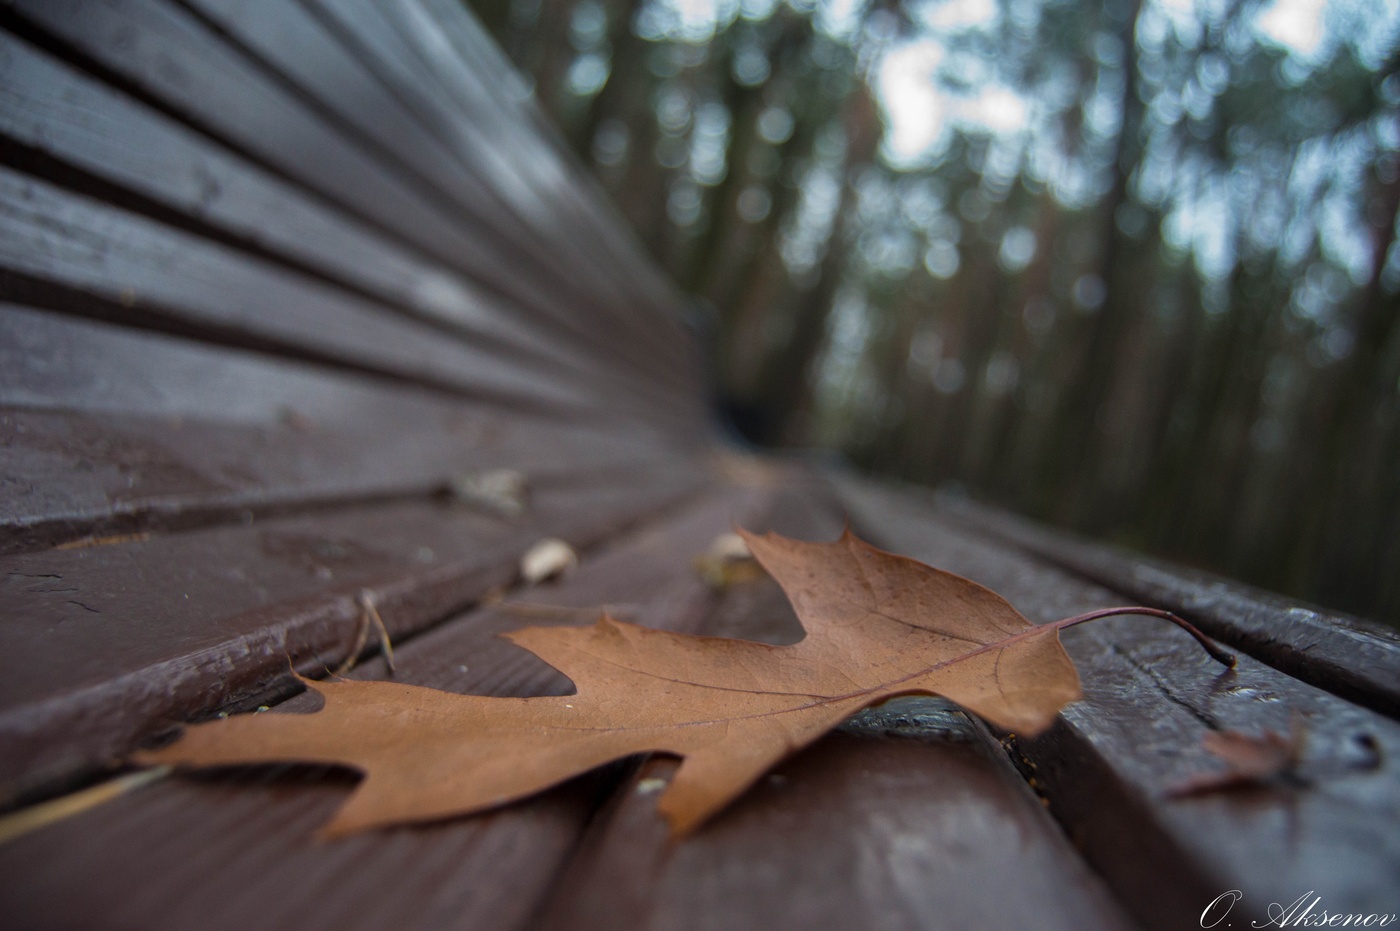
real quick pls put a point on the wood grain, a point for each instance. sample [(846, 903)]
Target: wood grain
[(1150, 696), (906, 819), (106, 645), (108, 430), (59, 121), (1345, 655), (237, 850)]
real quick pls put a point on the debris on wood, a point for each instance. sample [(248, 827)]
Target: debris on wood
[(111, 540), (385, 644), (1250, 760), (1271, 759), (502, 492), (43, 814), (727, 562), (551, 558), (369, 615)]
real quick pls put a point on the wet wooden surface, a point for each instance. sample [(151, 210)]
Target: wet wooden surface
[(273, 280), (110, 644), (109, 429), (174, 59), (891, 823), (238, 850), (1109, 767), (1343, 654)]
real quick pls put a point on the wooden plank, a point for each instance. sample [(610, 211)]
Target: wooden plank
[(411, 87), (237, 851), (862, 830), (113, 263), (105, 430), (105, 645), (409, 52), (51, 109), (168, 54), (1109, 766), (54, 108), (1345, 655), (454, 25), (859, 831)]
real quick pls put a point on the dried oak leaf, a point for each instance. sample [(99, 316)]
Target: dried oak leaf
[(877, 625), (1250, 760)]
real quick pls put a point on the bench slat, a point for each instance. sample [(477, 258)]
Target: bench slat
[(108, 643), (1341, 654), (170, 55), (859, 827), (51, 108), (109, 430), (447, 95), (224, 853), (112, 263), (508, 93), (1150, 696)]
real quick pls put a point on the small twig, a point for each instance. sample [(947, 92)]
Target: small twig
[(538, 609), (112, 540), (45, 813), (367, 603), (361, 637)]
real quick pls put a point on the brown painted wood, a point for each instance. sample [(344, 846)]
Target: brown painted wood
[(107, 430), (236, 851), (411, 53), (1150, 696), (168, 53), (460, 33), (910, 818), (105, 645), (111, 263), (1342, 654), (57, 109), (57, 119), (354, 61)]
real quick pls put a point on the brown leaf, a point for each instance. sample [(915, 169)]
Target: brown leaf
[(878, 625), (1249, 760)]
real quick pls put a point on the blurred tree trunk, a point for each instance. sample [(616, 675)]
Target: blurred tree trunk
[(787, 381), (1003, 470), (628, 84), (1077, 439), (1345, 506)]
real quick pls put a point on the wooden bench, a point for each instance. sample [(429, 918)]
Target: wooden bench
[(278, 281)]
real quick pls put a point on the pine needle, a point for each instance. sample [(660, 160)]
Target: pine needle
[(43, 814), (367, 603)]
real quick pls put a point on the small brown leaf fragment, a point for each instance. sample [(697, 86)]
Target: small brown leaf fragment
[(877, 626), (1250, 760)]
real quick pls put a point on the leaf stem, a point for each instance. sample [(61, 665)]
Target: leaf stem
[(1226, 659)]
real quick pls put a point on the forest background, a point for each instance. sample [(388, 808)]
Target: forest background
[(1125, 266)]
